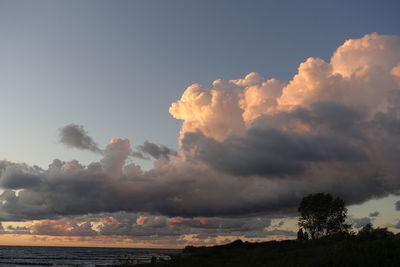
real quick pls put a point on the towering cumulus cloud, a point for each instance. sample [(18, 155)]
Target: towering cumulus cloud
[(248, 147)]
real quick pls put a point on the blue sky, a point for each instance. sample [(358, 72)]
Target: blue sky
[(116, 67)]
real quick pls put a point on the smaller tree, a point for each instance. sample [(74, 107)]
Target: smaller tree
[(369, 232), (300, 234), (305, 236), (321, 215)]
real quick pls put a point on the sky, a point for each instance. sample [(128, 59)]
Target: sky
[(168, 123)]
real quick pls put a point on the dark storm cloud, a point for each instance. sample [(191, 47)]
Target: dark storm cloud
[(184, 191), (83, 191), (18, 176), (323, 116), (266, 150), (254, 173), (67, 188), (332, 116), (75, 136)]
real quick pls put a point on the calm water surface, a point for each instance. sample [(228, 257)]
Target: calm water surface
[(16, 256)]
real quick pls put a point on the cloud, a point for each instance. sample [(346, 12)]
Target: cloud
[(17, 230), (75, 136), (154, 150), (374, 214), (360, 222), (16, 175), (115, 155), (201, 227), (359, 72), (267, 150), (215, 112), (146, 227), (248, 147), (397, 205), (63, 227), (70, 189)]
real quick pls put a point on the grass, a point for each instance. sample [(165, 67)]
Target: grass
[(344, 251)]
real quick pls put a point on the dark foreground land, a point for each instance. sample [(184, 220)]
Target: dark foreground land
[(349, 251)]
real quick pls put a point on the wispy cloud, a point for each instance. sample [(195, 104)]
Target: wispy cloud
[(75, 136)]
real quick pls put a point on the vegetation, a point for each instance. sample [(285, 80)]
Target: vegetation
[(373, 249), (331, 244), (322, 215)]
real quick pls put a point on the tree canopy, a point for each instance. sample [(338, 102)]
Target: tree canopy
[(322, 215)]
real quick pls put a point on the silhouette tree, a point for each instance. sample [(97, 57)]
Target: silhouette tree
[(369, 232), (305, 236), (321, 215), (300, 234)]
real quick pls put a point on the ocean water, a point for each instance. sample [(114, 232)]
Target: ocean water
[(17, 256)]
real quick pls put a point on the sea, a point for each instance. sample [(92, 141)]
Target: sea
[(20, 256)]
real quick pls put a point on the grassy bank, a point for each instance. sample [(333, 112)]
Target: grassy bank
[(349, 251)]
